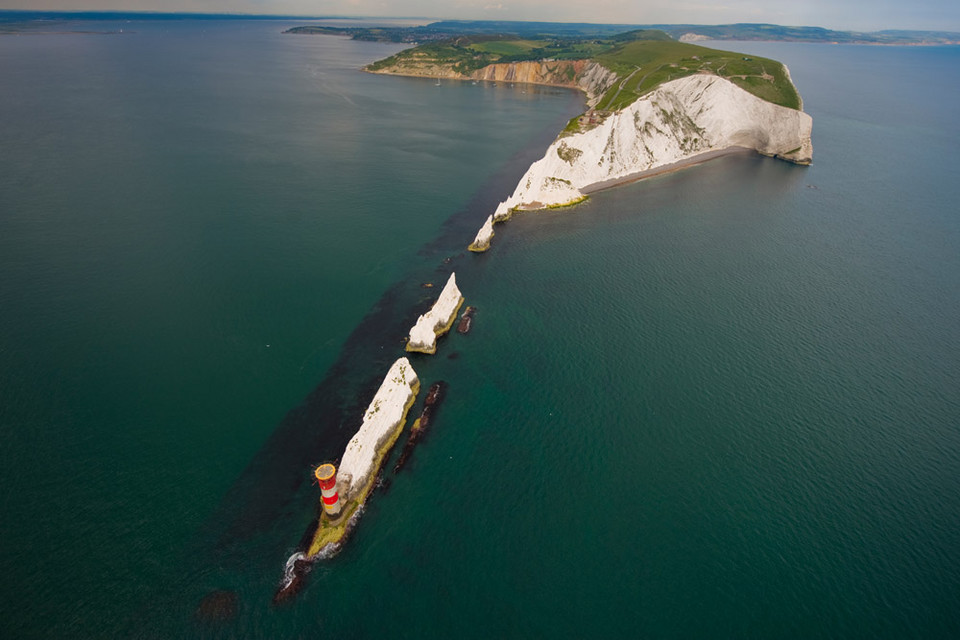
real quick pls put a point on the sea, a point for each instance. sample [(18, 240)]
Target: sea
[(722, 402)]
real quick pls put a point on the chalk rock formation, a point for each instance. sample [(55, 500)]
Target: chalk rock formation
[(437, 321), (482, 241), (382, 423), (677, 121)]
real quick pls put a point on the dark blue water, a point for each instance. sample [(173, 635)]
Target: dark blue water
[(721, 402)]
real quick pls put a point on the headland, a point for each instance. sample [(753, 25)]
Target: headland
[(654, 105)]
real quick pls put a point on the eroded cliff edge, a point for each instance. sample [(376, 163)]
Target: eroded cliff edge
[(590, 77), (679, 121), (653, 105)]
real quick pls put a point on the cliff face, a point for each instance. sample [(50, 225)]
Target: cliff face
[(559, 73), (678, 121), (382, 421), (590, 77)]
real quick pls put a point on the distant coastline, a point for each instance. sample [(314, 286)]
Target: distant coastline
[(14, 21), (739, 32)]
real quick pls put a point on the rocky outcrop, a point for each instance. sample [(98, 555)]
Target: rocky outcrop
[(594, 80), (382, 423), (437, 321), (430, 404), (482, 241), (680, 120)]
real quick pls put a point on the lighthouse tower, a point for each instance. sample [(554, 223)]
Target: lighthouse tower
[(327, 477)]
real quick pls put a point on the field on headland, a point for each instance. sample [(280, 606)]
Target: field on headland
[(646, 64), (642, 60), (467, 54)]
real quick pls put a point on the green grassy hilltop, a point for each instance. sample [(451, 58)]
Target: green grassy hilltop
[(642, 65), (466, 54), (642, 60)]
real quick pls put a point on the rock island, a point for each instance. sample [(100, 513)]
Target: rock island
[(437, 321), (382, 423)]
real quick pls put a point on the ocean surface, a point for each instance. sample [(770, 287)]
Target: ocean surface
[(722, 402)]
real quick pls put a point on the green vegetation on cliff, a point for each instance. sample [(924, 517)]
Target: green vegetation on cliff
[(466, 54), (642, 60), (642, 65)]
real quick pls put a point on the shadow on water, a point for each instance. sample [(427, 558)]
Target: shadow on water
[(271, 490), (259, 521), (262, 516)]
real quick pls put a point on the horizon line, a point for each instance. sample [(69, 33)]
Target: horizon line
[(273, 16)]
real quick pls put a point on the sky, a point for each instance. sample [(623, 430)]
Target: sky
[(858, 15)]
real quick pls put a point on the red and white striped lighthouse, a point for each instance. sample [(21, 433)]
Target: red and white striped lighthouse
[(327, 477)]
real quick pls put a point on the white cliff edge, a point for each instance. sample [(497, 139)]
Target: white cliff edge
[(437, 321), (482, 241), (678, 122), (382, 423)]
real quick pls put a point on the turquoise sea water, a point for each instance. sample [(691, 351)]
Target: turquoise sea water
[(721, 402)]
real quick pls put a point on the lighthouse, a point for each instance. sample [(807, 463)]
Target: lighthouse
[(327, 477)]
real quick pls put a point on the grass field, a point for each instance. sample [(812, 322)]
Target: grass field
[(643, 65), (642, 61), (507, 47)]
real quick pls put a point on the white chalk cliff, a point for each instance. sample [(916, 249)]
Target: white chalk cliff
[(676, 122), (482, 241), (382, 421), (437, 321)]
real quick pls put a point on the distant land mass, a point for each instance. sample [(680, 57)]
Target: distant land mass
[(683, 32), (12, 15), (33, 21), (53, 22)]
